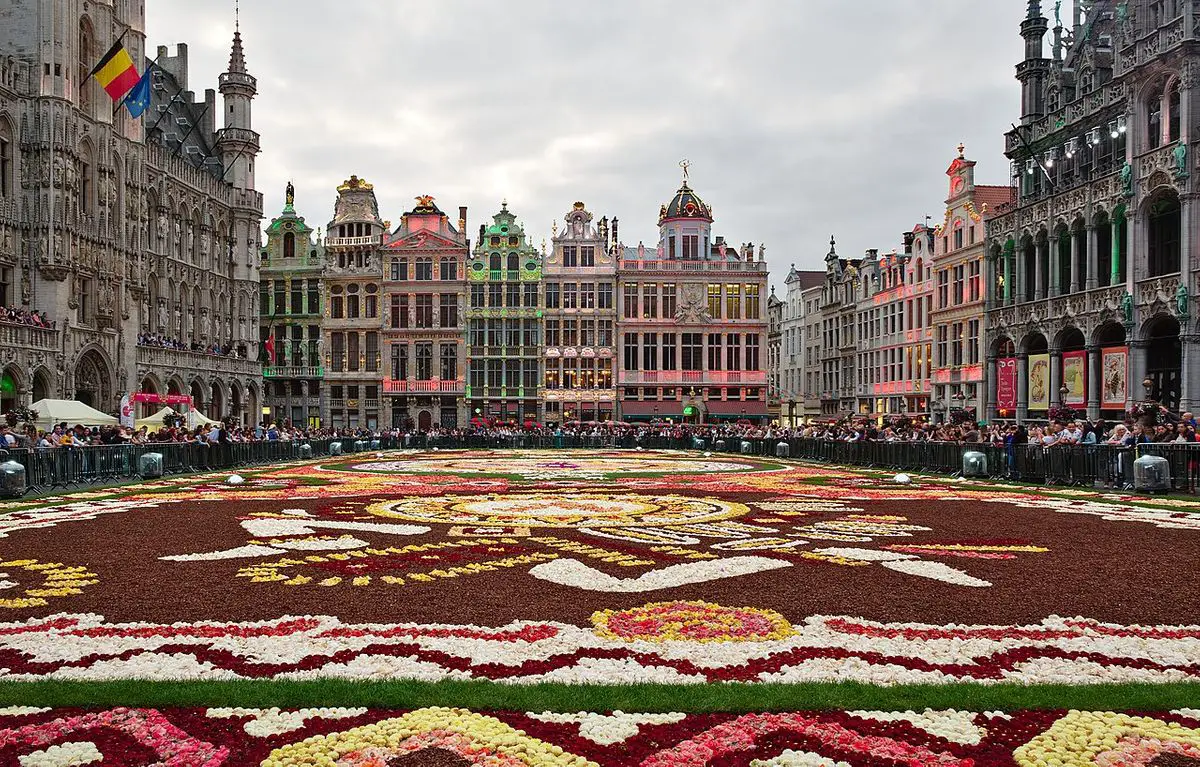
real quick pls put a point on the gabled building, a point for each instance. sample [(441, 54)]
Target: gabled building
[(579, 285), (352, 328), (504, 324), (290, 318), (424, 288)]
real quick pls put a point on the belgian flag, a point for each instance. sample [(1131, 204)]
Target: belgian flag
[(116, 72)]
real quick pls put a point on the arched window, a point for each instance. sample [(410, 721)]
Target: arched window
[(1173, 112), (1164, 230), (289, 245), (1154, 118)]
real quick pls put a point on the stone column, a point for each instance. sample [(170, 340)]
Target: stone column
[(1039, 282), (1022, 387), (1137, 372), (1055, 378), (988, 410), (1075, 261), (1056, 286), (1093, 258), (1093, 382)]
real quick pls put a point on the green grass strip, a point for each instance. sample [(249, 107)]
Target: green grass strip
[(735, 698)]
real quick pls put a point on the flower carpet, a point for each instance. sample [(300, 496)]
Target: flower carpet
[(595, 567)]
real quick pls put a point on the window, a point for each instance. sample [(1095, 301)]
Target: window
[(693, 351), (448, 310), (372, 352), (604, 299), (650, 300), (752, 352), (424, 310), (531, 295), (629, 299), (669, 301), (733, 352), (733, 302), (424, 268), (714, 351), (449, 367), (587, 295), (477, 297), (553, 335), (448, 271), (424, 359), (714, 301), (552, 301), (399, 311), (753, 304), (570, 256), (353, 357), (570, 295), (650, 351), (670, 360), (587, 256), (631, 351)]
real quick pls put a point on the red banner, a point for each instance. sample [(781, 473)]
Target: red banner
[(1075, 378), (1006, 385)]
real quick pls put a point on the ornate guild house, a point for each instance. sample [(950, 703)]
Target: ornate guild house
[(1091, 271)]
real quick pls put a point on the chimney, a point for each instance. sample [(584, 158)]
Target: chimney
[(462, 218), (615, 234)]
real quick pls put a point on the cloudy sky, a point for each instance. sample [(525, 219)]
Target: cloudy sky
[(801, 118)]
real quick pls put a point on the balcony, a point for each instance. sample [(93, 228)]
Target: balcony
[(294, 372), (694, 377), (352, 242), (197, 362), (14, 336), (665, 265), (403, 387)]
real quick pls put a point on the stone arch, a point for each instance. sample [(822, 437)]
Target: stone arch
[(43, 384), (93, 374)]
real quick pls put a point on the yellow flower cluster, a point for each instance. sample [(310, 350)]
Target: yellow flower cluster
[(1080, 736), (486, 734), (58, 580)]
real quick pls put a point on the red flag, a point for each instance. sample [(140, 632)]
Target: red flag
[(270, 346)]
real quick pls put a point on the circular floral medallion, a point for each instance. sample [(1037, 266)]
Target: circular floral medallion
[(560, 510), (691, 622)]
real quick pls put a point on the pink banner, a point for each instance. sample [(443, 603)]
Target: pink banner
[(1006, 385)]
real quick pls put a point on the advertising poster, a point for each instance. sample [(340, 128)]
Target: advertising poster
[(1114, 385), (1006, 384), (1039, 381), (1074, 374)]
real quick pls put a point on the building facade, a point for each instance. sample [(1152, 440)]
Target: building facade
[(291, 314), (137, 239), (504, 324), (352, 328), (799, 392), (693, 327), (424, 292), (1091, 271), (580, 280)]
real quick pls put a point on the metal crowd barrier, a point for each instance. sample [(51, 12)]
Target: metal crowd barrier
[(1079, 465)]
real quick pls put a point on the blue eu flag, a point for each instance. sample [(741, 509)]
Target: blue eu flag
[(138, 100)]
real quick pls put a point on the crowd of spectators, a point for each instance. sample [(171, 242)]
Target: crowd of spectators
[(17, 316), (163, 342)]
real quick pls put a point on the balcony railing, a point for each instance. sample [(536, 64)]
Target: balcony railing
[(694, 377), (294, 372), (695, 266), (28, 337), (393, 387)]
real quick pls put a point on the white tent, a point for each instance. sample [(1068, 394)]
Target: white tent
[(154, 422), (52, 411)]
